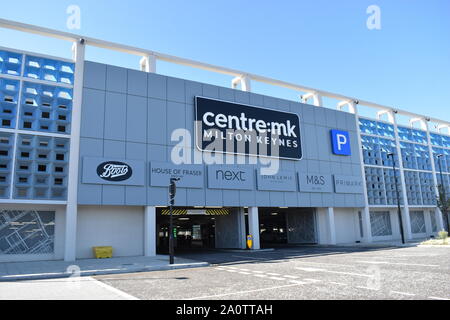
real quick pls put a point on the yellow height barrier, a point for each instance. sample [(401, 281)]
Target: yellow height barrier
[(102, 252)]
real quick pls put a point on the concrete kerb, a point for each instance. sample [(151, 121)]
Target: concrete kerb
[(86, 273)]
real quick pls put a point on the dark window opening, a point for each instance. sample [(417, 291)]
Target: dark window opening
[(61, 128), (42, 156), (8, 111), (46, 104), (62, 117), (2, 179), (4, 153), (9, 99), (3, 166), (28, 114), (58, 181), (59, 169), (46, 115), (60, 157), (23, 180), (29, 101), (42, 168), (44, 127), (6, 123), (27, 125), (25, 154), (4, 141)]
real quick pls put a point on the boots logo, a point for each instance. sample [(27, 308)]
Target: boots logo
[(114, 171)]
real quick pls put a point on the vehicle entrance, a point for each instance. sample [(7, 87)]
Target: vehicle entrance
[(199, 229), (190, 231), (287, 226)]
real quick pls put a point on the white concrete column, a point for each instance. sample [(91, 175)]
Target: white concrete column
[(150, 232), (253, 225), (367, 227), (78, 51), (406, 218), (244, 81), (317, 99), (331, 227), (148, 63)]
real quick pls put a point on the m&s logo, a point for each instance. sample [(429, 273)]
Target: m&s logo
[(340, 141)]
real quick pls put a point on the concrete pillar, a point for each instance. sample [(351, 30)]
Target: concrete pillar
[(243, 234), (253, 225), (331, 227), (439, 219), (150, 232), (78, 51), (367, 226)]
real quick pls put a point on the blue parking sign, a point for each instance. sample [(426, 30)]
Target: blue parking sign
[(341, 143)]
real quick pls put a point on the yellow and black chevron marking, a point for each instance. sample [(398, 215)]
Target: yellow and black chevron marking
[(217, 212), (175, 212), (209, 212)]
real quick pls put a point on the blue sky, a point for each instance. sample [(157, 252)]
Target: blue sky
[(318, 43)]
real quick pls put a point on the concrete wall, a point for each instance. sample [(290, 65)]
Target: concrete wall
[(347, 226), (119, 227), (128, 114), (230, 230)]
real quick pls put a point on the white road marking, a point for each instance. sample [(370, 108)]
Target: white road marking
[(367, 288), (243, 292), (310, 269), (273, 274), (324, 264), (338, 283), (290, 277), (244, 272), (335, 272), (403, 293), (257, 271), (231, 270), (312, 280), (438, 298), (298, 282), (112, 289), (260, 275), (399, 263), (277, 278)]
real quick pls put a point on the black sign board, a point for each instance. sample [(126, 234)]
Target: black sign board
[(235, 128)]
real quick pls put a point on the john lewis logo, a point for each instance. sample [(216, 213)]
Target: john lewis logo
[(114, 171)]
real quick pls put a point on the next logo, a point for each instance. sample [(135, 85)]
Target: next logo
[(340, 141)]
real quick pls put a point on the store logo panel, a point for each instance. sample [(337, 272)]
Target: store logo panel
[(241, 129), (113, 171), (230, 177)]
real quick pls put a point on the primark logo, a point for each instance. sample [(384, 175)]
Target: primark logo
[(241, 129)]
